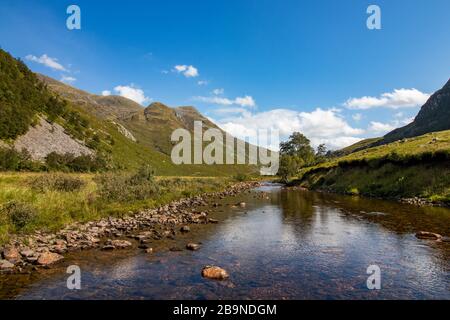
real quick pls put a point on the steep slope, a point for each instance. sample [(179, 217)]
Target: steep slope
[(433, 116), (146, 130)]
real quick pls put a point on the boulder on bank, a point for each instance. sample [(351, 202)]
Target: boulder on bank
[(428, 235), (6, 265), (48, 258), (11, 254), (215, 273)]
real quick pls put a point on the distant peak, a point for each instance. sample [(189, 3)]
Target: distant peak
[(447, 85), (188, 108), (158, 105)]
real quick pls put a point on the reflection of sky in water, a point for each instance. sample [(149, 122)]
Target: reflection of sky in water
[(294, 245)]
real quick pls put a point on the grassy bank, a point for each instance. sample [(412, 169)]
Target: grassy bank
[(416, 167), (49, 201)]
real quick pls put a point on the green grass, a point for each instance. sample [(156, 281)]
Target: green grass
[(56, 207), (414, 167)]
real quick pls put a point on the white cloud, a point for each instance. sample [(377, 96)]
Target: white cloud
[(218, 91), (47, 61), (320, 126), (380, 128), (202, 83), (357, 116), (68, 79), (246, 101), (130, 92), (399, 98), (187, 71)]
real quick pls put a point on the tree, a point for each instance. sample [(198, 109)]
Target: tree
[(298, 146), (321, 153), (295, 154)]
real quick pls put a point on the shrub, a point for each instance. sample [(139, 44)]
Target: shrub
[(19, 214), (57, 182), (240, 177), (69, 163), (12, 160), (128, 187)]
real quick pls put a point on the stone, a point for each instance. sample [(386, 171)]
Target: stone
[(149, 250), (428, 235), (48, 258), (6, 265), (27, 253), (193, 246), (210, 220), (11, 254), (242, 204), (120, 244), (185, 229), (108, 247), (215, 273)]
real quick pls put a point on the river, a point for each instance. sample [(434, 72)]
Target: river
[(284, 244)]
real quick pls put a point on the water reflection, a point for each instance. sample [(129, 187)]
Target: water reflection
[(288, 244)]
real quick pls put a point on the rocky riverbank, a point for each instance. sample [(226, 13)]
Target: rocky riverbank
[(29, 252)]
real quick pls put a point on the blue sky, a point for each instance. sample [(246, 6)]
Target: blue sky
[(287, 65)]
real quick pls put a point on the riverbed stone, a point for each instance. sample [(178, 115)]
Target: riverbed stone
[(11, 254), (48, 258), (215, 273), (185, 229), (428, 235), (193, 246), (6, 265)]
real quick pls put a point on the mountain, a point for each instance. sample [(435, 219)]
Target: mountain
[(433, 116), (43, 115)]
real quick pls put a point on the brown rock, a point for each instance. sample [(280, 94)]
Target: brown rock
[(6, 265), (48, 258), (428, 235), (11, 254), (213, 272), (149, 250), (185, 229), (193, 246), (120, 244)]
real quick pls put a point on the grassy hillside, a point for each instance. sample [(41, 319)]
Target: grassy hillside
[(122, 133), (22, 97), (415, 167), (151, 126)]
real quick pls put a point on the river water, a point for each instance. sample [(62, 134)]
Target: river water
[(285, 244)]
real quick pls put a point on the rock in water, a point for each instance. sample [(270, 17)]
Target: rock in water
[(48, 258), (6, 265), (213, 272), (193, 246), (185, 229), (428, 235)]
